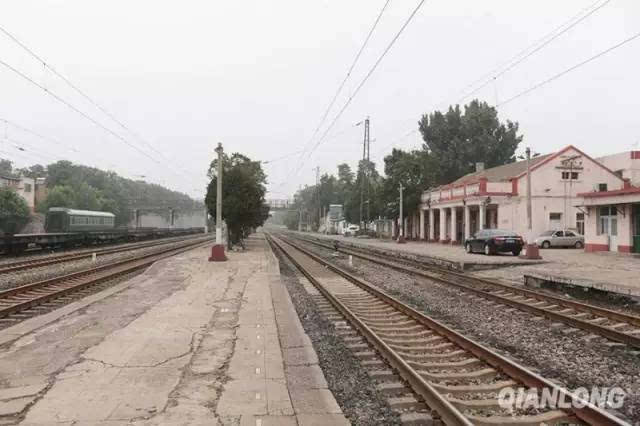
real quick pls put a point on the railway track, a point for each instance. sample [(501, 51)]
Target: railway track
[(24, 301), (20, 265), (613, 325), (429, 372)]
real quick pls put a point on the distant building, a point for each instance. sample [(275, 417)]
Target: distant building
[(24, 186), (613, 209), (41, 191), (497, 198)]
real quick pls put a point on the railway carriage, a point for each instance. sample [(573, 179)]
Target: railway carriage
[(61, 219)]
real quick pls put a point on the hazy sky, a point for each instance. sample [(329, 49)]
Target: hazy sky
[(258, 75)]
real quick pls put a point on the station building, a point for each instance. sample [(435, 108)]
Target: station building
[(613, 212), (497, 198)]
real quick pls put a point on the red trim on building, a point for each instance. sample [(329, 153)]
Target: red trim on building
[(623, 191), (551, 157), (514, 186), (590, 247), (483, 185), (635, 155), (624, 249)]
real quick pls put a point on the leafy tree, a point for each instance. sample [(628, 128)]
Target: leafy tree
[(6, 167), (59, 196), (456, 141), (353, 197), (34, 171), (14, 211), (415, 170), (243, 191)]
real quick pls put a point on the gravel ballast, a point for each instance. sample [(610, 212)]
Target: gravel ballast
[(550, 349), (352, 387)]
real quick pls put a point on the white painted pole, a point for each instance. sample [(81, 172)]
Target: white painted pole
[(219, 197)]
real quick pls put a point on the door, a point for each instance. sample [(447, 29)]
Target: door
[(558, 239), (608, 225), (555, 221)]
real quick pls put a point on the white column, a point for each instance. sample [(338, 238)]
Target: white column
[(467, 222), (432, 228), (422, 213), (483, 216), (454, 224), (443, 224)]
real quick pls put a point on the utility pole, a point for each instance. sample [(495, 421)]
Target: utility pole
[(531, 248), (317, 169), (364, 184), (217, 251), (401, 230)]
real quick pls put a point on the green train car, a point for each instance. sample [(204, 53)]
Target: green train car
[(60, 219)]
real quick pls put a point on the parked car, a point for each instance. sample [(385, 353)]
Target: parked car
[(560, 239), (491, 241), (350, 230)]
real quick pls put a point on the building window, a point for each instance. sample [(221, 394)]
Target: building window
[(580, 223), (570, 175), (602, 187), (607, 221)]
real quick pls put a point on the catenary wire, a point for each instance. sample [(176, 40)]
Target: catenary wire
[(363, 81), (512, 64), (80, 91), (568, 70), (344, 81)]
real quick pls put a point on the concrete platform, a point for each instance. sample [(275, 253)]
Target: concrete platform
[(450, 256), (615, 273), (187, 342)]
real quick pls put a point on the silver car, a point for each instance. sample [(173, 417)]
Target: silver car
[(560, 239)]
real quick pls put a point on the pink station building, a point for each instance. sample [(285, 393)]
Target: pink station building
[(569, 190)]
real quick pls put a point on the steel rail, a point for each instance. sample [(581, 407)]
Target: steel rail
[(447, 411), (609, 333), (583, 409), (86, 278), (62, 258)]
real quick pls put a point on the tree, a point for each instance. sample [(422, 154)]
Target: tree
[(415, 170), (59, 196), (457, 141), (353, 197), (14, 211), (6, 167), (34, 171), (243, 191)]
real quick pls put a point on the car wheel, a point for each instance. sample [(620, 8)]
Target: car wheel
[(468, 248), (546, 244), (487, 250), (578, 244), (516, 252)]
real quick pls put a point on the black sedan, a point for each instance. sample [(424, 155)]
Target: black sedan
[(491, 241)]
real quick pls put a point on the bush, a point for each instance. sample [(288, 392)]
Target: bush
[(14, 211)]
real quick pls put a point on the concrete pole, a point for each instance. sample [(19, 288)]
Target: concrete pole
[(529, 227), (401, 233), (219, 197)]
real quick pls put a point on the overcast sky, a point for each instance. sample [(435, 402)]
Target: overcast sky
[(258, 75)]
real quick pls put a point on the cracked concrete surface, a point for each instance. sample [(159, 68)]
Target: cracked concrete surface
[(187, 342)]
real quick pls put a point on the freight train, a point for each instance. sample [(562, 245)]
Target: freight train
[(66, 228)]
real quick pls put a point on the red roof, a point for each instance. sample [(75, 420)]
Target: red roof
[(624, 191)]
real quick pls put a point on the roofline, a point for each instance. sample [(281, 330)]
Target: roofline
[(566, 148), (613, 193)]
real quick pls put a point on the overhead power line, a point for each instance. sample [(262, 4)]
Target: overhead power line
[(363, 81), (344, 81), (568, 70), (87, 97), (537, 46)]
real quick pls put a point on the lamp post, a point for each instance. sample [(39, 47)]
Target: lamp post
[(217, 251)]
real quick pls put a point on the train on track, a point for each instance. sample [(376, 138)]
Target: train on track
[(66, 228)]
